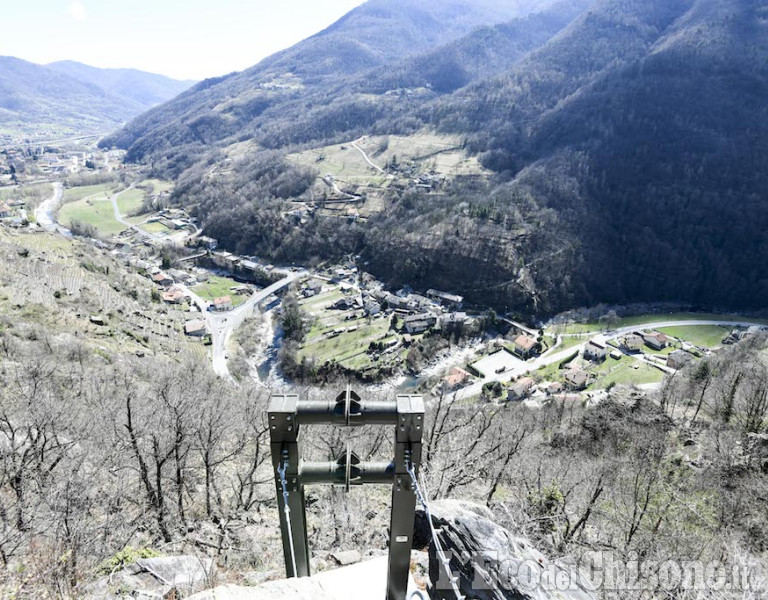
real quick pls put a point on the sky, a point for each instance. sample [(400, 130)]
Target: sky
[(183, 39)]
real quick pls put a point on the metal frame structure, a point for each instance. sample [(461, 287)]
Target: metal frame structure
[(287, 414)]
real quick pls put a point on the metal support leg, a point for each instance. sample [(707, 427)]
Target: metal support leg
[(294, 533), (400, 537), (409, 429)]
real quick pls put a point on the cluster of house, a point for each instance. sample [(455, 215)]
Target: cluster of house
[(41, 160), (635, 341), (419, 313), (173, 218), (244, 267), (171, 282), (13, 213), (526, 387), (655, 340)]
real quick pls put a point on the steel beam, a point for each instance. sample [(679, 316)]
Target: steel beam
[(285, 416)]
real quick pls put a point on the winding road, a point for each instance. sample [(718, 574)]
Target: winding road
[(365, 156), (119, 217)]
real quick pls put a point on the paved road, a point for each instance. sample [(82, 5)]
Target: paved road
[(365, 156), (119, 218), (599, 337), (62, 140), (45, 213), (223, 324)]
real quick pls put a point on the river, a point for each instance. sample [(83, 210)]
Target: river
[(45, 213)]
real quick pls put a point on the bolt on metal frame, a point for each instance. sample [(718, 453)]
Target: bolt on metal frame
[(287, 414)]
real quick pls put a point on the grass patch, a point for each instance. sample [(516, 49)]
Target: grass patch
[(321, 300), (158, 185), (98, 213), (571, 342), (625, 374), (216, 287), (642, 321), (155, 227), (100, 191), (129, 202), (346, 345), (707, 336)]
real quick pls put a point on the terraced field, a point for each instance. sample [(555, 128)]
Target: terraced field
[(57, 284)]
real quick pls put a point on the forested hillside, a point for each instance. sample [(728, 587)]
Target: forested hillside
[(375, 34), (70, 97), (628, 143)]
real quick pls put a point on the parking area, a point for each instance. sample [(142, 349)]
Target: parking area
[(496, 363)]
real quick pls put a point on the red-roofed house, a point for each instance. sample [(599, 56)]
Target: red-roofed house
[(656, 340), (174, 296), (223, 303), (521, 389), (162, 279), (526, 346), (456, 378)]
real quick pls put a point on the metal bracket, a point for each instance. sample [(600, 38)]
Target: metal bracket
[(287, 414)]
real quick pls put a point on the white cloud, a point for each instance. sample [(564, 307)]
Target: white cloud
[(77, 10)]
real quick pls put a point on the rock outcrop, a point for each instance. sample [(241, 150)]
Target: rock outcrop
[(491, 563), (155, 579), (366, 580)]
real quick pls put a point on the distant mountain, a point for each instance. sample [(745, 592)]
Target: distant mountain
[(74, 98), (33, 97), (146, 89), (375, 34)]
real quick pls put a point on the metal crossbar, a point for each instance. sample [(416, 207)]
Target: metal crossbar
[(288, 414)]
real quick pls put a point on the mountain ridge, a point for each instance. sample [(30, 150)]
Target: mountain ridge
[(614, 134), (143, 87)]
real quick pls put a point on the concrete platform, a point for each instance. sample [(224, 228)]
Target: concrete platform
[(366, 580)]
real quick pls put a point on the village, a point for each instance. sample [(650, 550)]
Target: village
[(354, 326)]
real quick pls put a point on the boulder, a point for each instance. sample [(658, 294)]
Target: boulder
[(155, 579), (365, 580), (490, 562)]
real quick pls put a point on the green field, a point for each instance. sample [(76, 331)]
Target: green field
[(347, 347), (433, 151), (155, 227), (216, 287), (31, 193), (98, 212), (316, 303), (158, 185), (571, 342), (707, 336), (100, 191), (643, 320), (622, 372), (130, 201)]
